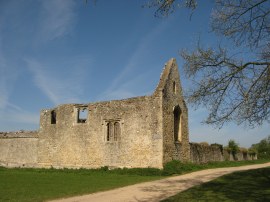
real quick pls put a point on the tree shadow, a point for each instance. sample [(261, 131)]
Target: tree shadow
[(252, 185), (167, 187)]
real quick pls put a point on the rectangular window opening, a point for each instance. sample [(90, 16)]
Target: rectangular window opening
[(82, 115), (53, 117)]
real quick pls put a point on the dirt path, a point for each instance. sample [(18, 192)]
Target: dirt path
[(160, 189)]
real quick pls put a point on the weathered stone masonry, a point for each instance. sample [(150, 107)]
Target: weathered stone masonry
[(145, 131), (18, 148)]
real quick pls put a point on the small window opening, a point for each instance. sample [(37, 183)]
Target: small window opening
[(53, 117), (82, 115), (113, 131), (116, 131), (108, 131), (177, 124), (174, 87)]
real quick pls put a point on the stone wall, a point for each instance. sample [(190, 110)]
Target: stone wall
[(147, 123), (18, 149), (175, 115), (70, 144), (240, 156), (201, 153), (228, 155), (146, 127), (146, 131)]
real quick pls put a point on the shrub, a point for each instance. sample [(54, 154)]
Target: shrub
[(252, 151), (220, 146), (138, 171), (234, 148), (204, 143), (177, 167), (172, 167), (104, 168), (243, 150)]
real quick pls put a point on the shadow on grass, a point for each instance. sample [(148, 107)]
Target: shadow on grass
[(252, 185), (167, 186)]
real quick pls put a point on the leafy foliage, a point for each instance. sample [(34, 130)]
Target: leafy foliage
[(263, 148), (233, 146), (177, 167)]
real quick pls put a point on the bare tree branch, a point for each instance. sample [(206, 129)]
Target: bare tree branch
[(167, 7), (246, 22), (231, 88)]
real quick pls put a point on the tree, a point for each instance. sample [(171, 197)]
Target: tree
[(233, 147), (263, 148), (233, 87)]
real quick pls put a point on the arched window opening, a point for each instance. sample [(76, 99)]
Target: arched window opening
[(109, 131), (113, 130), (177, 123), (174, 87), (116, 131)]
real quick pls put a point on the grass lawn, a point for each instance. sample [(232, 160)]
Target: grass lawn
[(176, 167), (21, 184), (40, 184), (252, 185)]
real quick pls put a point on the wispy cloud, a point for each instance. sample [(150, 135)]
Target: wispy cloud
[(118, 88), (57, 88), (57, 19), (18, 115), (3, 85), (7, 77), (126, 90)]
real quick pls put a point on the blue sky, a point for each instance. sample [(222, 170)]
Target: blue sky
[(64, 51)]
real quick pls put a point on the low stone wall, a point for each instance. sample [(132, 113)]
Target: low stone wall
[(227, 155), (240, 156), (201, 153), (18, 149)]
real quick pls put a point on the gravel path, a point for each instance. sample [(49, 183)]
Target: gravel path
[(160, 189)]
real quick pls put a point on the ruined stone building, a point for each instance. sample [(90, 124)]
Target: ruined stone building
[(145, 131)]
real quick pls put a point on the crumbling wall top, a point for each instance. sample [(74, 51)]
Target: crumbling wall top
[(19, 134), (165, 75)]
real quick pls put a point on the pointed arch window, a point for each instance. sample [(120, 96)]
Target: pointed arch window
[(174, 87), (109, 131), (116, 131), (113, 131), (177, 123)]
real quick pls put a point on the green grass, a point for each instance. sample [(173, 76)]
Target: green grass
[(252, 185), (20, 184), (40, 184), (176, 167)]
